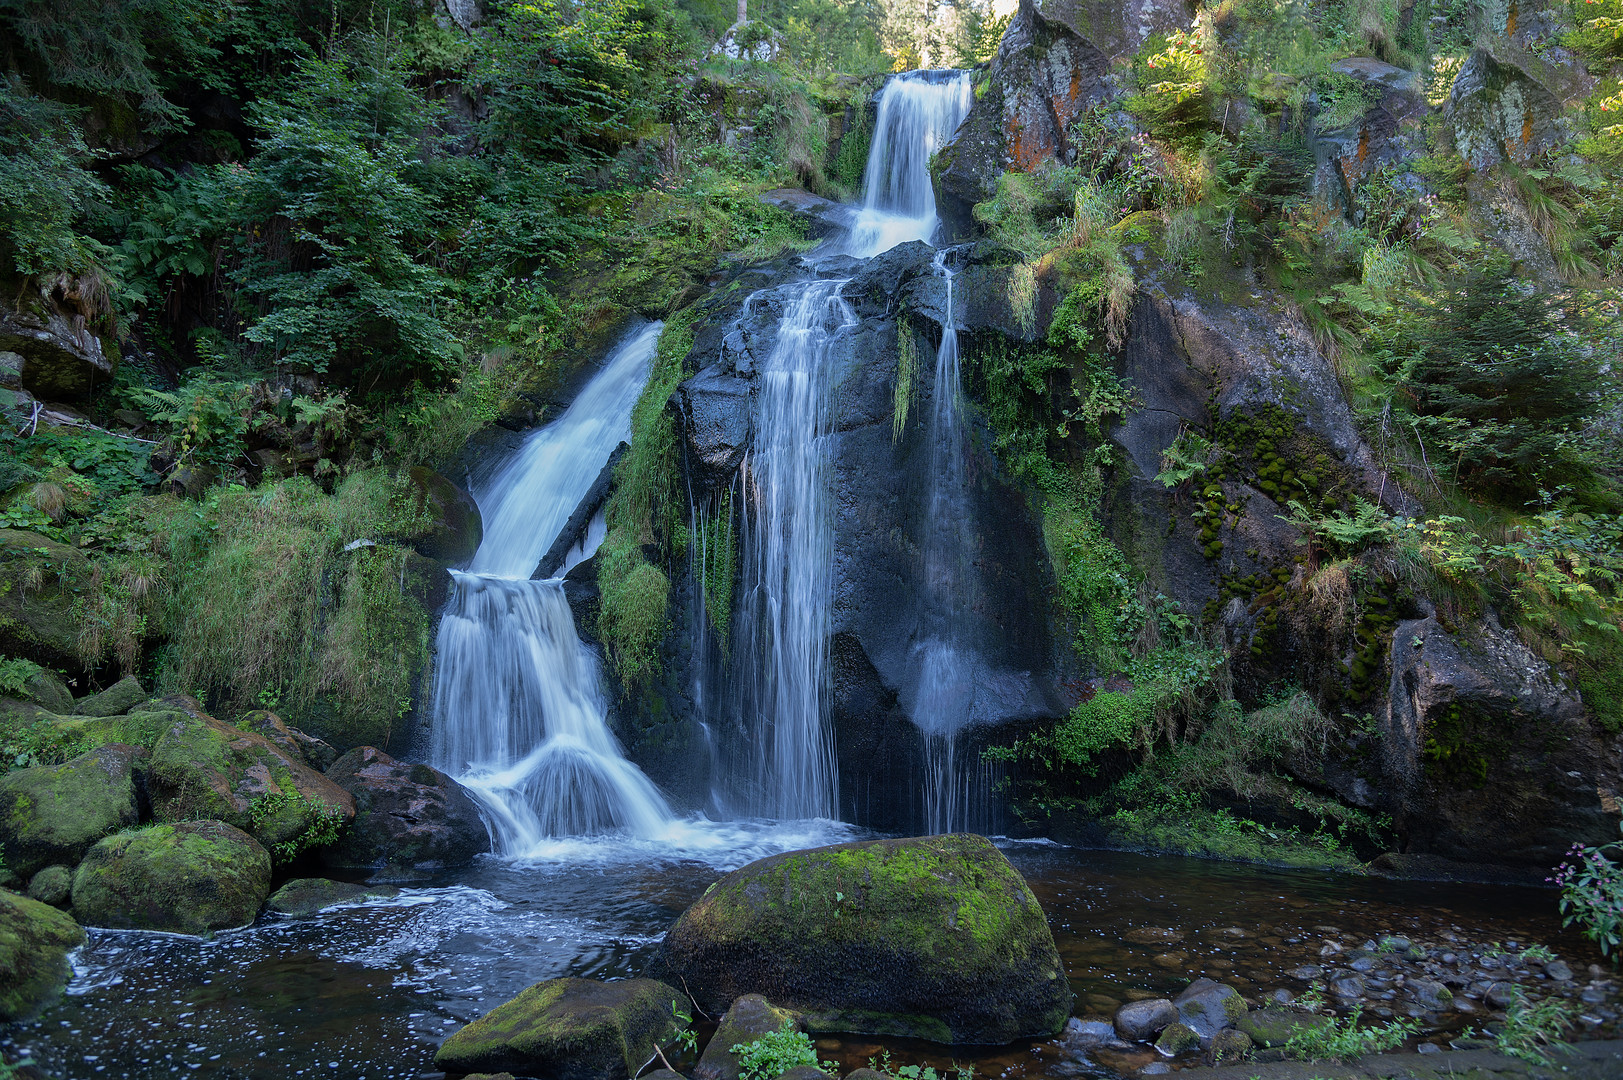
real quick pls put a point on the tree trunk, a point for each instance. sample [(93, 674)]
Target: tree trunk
[(743, 12)]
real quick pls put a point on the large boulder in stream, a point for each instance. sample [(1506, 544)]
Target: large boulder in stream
[(935, 937), (570, 1029), (192, 878), (203, 768), (410, 820), (454, 526), (35, 940), (55, 813)]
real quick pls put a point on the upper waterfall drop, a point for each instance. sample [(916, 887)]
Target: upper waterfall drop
[(919, 112), (521, 718)]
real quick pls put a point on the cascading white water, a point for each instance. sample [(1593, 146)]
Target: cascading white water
[(788, 547), (518, 701), (956, 789), (919, 112)]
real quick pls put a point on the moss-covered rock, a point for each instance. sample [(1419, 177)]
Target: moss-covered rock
[(192, 878), (35, 940), (1274, 1026), (306, 896), (1177, 1039), (316, 753), (54, 813), (39, 579), (202, 768), (455, 527), (935, 937), (750, 1017), (43, 690), (121, 697), (570, 1029), (52, 885)]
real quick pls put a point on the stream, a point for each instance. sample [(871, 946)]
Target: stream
[(369, 991)]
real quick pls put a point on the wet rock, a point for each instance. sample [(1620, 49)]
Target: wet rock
[(1502, 995), (878, 937), (35, 940), (1176, 1039), (570, 1029), (119, 698), (1558, 970), (454, 528), (1139, 1021), (203, 768), (55, 813), (52, 885), (306, 896), (715, 411), (1084, 1034), (1208, 1007), (1230, 1045), (804, 1072), (1430, 993), (410, 819), (749, 1018), (1153, 935), (823, 215), (1274, 1026), (1477, 711), (192, 878), (1307, 972), (1347, 987), (580, 520)]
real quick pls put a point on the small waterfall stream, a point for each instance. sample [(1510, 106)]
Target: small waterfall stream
[(918, 114), (518, 700)]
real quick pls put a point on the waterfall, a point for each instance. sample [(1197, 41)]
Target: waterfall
[(919, 112), (957, 788), (518, 699), (788, 547)]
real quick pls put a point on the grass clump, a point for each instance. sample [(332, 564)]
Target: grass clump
[(1533, 1030), (1344, 1040)]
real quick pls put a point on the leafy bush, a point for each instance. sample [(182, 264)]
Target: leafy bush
[(777, 1052), (15, 675), (1344, 1040), (1591, 883), (46, 189)]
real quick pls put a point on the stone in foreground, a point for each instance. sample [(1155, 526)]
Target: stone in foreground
[(933, 937), (570, 1029), (751, 1017), (411, 820), (192, 878), (35, 940), (1208, 1007), (1141, 1021)]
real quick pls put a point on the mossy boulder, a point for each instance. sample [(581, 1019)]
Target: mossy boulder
[(306, 896), (935, 937), (194, 877), (750, 1018), (202, 768), (1209, 1007), (121, 697), (35, 940), (570, 1029), (54, 813), (52, 885), (454, 527), (39, 582), (411, 820), (42, 691), (1273, 1026), (316, 753)]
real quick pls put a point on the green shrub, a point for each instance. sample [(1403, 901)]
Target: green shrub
[(777, 1052), (1532, 1030), (1344, 1040)]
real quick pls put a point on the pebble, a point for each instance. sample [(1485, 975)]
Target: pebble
[(1428, 1048), (1593, 995), (1155, 1068), (1347, 986), (1558, 970), (1307, 972)]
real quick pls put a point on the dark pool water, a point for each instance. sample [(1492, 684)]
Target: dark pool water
[(369, 991)]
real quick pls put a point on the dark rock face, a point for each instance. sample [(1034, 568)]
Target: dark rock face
[(1489, 754), (749, 1018), (121, 697), (575, 528), (410, 819), (35, 940), (824, 216), (934, 937), (192, 878), (570, 1029), (55, 813), (56, 327), (456, 526)]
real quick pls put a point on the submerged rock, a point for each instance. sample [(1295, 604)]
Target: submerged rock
[(1140, 1021), (750, 1017), (306, 896), (35, 940), (570, 1029), (410, 819), (192, 878), (55, 813), (202, 768), (934, 937)]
